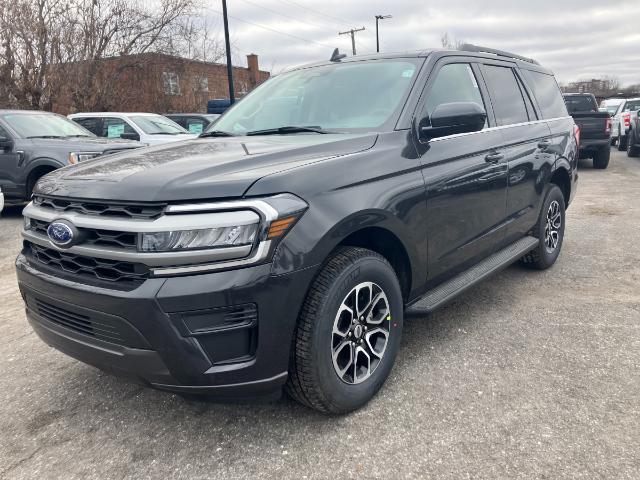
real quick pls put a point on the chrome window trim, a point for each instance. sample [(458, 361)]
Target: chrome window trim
[(501, 127), (164, 223), (151, 259), (261, 254)]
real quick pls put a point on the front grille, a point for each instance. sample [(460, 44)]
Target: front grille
[(102, 326), (107, 272), (118, 210), (93, 236)]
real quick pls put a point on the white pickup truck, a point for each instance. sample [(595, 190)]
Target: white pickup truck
[(621, 119)]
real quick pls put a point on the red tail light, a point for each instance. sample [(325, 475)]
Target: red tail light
[(576, 133), (626, 117), (607, 127)]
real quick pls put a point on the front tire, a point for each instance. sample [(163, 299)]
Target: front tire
[(601, 158), (549, 231), (348, 332)]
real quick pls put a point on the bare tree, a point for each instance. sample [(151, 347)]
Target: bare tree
[(451, 43), (53, 46)]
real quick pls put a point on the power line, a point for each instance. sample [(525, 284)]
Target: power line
[(334, 19), (272, 29), (285, 15)]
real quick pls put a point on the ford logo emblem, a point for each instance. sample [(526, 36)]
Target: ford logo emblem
[(61, 233)]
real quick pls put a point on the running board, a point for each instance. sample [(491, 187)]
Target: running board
[(458, 284)]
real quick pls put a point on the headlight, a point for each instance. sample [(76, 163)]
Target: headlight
[(234, 236), (75, 157)]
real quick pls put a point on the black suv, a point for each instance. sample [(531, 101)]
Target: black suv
[(284, 247)]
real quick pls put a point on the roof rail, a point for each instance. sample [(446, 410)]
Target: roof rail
[(468, 47)]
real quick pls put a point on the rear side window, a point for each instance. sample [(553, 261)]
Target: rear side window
[(546, 90), (91, 124), (507, 99), (454, 82), (580, 103)]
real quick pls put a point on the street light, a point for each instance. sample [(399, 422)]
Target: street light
[(378, 18)]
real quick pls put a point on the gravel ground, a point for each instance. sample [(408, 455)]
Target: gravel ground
[(528, 375)]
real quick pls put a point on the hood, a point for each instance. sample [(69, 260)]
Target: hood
[(88, 144), (200, 169), (171, 138)]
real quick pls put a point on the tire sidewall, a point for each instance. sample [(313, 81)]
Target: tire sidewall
[(546, 257), (343, 396)]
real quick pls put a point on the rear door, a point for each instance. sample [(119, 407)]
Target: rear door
[(525, 139), (466, 189)]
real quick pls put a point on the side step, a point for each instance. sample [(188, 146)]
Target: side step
[(458, 284)]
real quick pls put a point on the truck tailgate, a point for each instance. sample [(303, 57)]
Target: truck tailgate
[(592, 125)]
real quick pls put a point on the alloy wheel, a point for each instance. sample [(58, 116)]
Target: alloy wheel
[(360, 333), (552, 226)]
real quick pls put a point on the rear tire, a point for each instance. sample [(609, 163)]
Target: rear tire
[(549, 230), (622, 142), (601, 158), (322, 372), (632, 150)]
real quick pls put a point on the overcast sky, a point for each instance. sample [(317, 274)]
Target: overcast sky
[(577, 39)]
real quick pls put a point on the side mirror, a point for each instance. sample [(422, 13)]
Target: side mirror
[(6, 143), (452, 118), (130, 136)]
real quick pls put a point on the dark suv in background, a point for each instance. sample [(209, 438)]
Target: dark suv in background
[(34, 143), (284, 247)]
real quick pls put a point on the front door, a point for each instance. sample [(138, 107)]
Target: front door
[(10, 169), (465, 177)]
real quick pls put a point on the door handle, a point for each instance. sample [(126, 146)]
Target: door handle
[(494, 157), (544, 144)]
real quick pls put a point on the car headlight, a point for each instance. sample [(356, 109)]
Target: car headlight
[(233, 236), (76, 157), (264, 220)]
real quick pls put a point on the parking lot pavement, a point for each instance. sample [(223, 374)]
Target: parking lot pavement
[(528, 375)]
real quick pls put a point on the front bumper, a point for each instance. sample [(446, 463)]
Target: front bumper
[(226, 334)]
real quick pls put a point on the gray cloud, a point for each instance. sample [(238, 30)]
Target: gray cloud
[(577, 39)]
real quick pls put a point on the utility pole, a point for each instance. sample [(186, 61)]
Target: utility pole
[(352, 32), (232, 96), (380, 17)]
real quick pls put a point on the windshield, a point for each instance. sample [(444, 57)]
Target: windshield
[(157, 125), (632, 105), (44, 125), (341, 96), (611, 109)]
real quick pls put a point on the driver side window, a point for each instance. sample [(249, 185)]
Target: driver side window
[(454, 82), (3, 133)]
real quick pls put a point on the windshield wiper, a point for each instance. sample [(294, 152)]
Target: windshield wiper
[(287, 129), (165, 133), (76, 136), (45, 136), (216, 133)]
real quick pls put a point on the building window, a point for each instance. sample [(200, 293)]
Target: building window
[(201, 83), (171, 83)]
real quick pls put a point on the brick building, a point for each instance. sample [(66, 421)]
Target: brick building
[(154, 82)]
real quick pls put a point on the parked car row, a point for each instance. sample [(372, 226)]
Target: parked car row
[(621, 111), (34, 143)]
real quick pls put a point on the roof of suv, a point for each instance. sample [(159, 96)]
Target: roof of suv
[(477, 52)]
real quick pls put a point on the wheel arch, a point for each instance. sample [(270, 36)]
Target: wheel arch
[(37, 169)]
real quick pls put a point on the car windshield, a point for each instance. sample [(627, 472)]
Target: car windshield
[(44, 125), (348, 96), (157, 125), (632, 105)]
